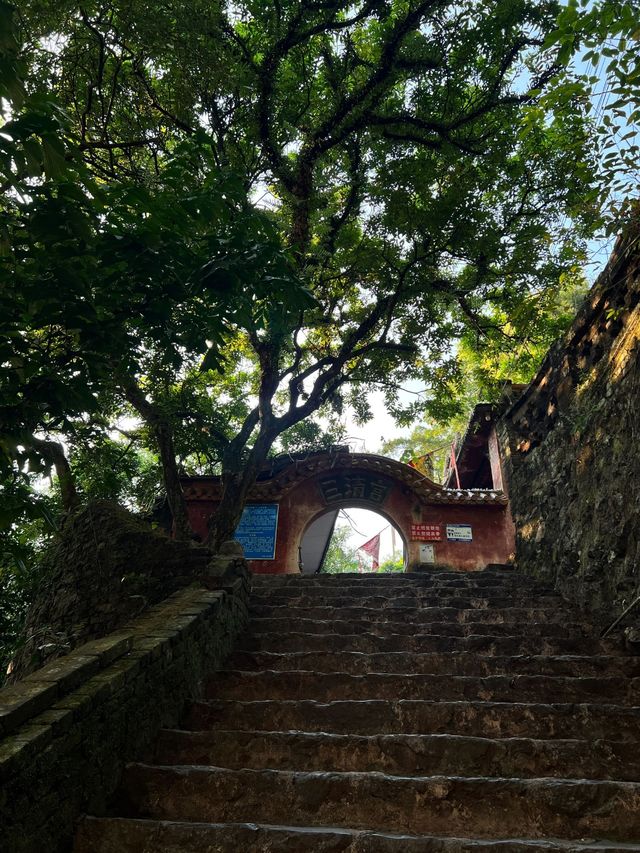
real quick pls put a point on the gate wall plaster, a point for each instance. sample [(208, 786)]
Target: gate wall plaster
[(307, 488)]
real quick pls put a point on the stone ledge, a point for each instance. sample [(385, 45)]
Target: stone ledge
[(22, 702), (38, 691), (74, 723)]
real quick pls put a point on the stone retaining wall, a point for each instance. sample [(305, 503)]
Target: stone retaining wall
[(570, 445), (67, 729)]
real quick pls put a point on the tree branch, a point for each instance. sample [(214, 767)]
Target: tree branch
[(163, 433), (54, 453)]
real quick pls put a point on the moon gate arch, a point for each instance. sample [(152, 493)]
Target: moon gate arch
[(319, 532), (464, 529)]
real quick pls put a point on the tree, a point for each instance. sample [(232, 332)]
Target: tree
[(340, 557), (428, 442), (414, 181), (101, 296), (485, 367), (392, 566), (597, 43)]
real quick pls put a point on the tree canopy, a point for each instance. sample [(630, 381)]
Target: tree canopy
[(231, 219), (598, 46)]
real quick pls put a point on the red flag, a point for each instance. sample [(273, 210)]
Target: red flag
[(372, 548)]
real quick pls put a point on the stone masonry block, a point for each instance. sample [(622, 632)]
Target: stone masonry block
[(16, 750), (67, 672), (59, 720), (107, 649), (24, 700)]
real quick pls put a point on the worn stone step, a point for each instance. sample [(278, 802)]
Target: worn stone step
[(420, 601), (390, 716), (510, 578), (437, 663), (398, 580), (486, 587), (400, 754), (439, 593), (480, 644), (328, 686), (418, 804), (512, 615), (120, 835), (283, 625)]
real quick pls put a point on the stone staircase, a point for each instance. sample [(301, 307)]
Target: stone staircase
[(396, 714)]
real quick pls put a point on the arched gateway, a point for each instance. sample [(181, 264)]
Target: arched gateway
[(466, 529)]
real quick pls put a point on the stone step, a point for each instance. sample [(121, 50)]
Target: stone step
[(400, 754), (393, 716), (419, 601), (282, 625), (479, 644), (329, 686), (439, 591), (487, 588), (512, 615), (417, 804), (119, 835), (396, 581), (436, 663), (510, 578)]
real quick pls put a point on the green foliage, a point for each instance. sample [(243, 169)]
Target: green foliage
[(27, 521), (598, 44), (126, 281), (340, 556), (32, 143), (518, 340), (115, 471), (416, 191), (392, 566)]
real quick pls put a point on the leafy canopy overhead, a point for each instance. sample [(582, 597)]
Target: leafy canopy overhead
[(258, 211), (598, 44)]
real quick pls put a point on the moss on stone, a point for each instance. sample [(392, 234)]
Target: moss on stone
[(105, 567)]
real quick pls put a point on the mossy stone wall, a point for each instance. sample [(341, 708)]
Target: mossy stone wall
[(571, 447), (67, 729)]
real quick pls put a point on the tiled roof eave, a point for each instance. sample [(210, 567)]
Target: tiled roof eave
[(465, 497), (428, 492)]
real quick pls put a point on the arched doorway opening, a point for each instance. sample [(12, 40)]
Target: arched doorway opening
[(351, 538)]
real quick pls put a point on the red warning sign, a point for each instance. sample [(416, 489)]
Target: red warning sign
[(426, 532)]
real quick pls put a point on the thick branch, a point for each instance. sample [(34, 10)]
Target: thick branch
[(164, 437), (53, 452)]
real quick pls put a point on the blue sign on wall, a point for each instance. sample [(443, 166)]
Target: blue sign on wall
[(257, 531)]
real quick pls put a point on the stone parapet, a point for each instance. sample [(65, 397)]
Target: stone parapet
[(68, 729)]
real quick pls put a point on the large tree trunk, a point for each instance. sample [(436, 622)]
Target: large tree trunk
[(54, 452), (171, 479), (164, 438), (238, 477), (223, 524)]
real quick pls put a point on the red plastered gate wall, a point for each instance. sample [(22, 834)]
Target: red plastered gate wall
[(306, 488)]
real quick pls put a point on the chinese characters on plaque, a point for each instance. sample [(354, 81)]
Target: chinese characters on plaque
[(353, 487), (459, 533), (426, 532), (257, 531)]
